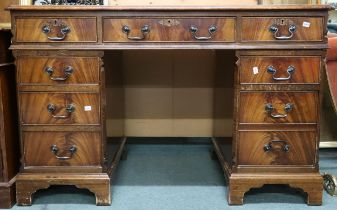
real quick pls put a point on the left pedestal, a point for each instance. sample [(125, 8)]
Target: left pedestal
[(61, 98)]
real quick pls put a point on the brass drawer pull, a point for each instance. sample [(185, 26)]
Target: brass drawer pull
[(273, 70), (52, 108), (6, 64), (211, 30), (72, 150), (287, 108), (67, 71), (269, 147), (145, 30), (63, 30), (274, 29)]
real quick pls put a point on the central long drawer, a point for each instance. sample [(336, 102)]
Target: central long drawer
[(220, 29)]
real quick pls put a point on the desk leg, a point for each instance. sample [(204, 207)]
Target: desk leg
[(240, 183), (7, 196), (28, 184)]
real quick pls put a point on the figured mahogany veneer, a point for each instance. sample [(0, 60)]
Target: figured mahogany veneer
[(39, 153), (31, 29), (172, 29), (261, 148), (34, 70), (280, 54), (306, 69), (253, 106), (257, 29), (41, 115)]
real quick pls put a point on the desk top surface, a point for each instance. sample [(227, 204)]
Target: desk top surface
[(176, 7)]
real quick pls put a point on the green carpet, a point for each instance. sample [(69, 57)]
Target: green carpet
[(178, 177)]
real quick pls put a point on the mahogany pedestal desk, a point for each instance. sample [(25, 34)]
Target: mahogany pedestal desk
[(59, 54)]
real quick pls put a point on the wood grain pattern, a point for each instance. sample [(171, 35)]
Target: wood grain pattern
[(257, 29), (31, 70), (244, 29), (240, 183), (169, 29), (30, 29), (33, 108), (302, 148), (97, 183), (37, 148), (311, 183), (7, 196), (252, 107), (307, 69), (1, 167), (219, 7)]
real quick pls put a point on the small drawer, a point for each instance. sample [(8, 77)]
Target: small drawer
[(278, 107), (59, 108), (62, 148), (278, 70), (282, 29), (77, 29), (169, 30), (58, 70), (264, 148)]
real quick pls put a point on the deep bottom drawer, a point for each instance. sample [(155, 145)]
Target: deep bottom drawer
[(62, 148), (277, 148)]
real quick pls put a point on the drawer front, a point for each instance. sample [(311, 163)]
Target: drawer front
[(62, 148), (277, 148), (282, 29), (58, 70), (59, 108), (278, 70), (56, 29), (278, 107), (169, 30)]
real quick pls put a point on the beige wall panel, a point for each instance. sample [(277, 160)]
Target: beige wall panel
[(194, 103), (148, 93), (193, 127), (193, 82), (148, 103), (193, 68), (148, 84), (169, 93), (150, 68), (149, 127)]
